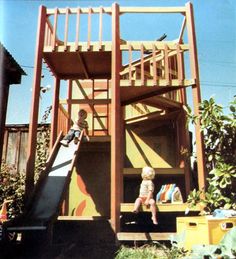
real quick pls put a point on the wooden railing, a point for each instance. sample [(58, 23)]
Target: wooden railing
[(162, 66), (89, 29), (63, 120), (79, 19)]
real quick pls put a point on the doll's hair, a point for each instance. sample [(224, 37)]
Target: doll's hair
[(82, 113), (148, 173)]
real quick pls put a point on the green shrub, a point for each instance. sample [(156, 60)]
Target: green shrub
[(12, 187), (219, 131), (42, 147)]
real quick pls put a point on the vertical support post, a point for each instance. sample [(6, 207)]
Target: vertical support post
[(18, 144), (29, 182), (183, 144), (69, 97), (196, 94), (123, 148), (5, 145), (115, 121), (55, 107), (4, 92)]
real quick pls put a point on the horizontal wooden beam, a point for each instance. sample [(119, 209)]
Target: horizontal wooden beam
[(160, 82), (161, 207), (143, 236), (86, 101), (106, 46), (75, 218), (85, 10), (152, 10), (159, 171), (123, 10), (83, 46), (148, 45)]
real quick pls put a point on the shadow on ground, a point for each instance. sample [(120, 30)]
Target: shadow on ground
[(71, 239)]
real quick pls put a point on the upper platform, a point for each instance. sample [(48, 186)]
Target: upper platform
[(79, 43), (82, 63)]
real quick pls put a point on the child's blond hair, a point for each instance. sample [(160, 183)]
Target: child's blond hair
[(148, 173)]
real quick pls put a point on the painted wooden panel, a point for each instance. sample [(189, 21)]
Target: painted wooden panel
[(89, 193)]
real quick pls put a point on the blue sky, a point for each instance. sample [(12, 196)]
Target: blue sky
[(215, 23)]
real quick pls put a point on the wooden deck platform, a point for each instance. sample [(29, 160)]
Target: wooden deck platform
[(161, 207)]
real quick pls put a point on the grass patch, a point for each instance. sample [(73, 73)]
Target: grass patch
[(150, 251)]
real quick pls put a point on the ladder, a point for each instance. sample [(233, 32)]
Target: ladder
[(100, 108)]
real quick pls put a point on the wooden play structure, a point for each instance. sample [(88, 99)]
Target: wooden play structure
[(133, 91)]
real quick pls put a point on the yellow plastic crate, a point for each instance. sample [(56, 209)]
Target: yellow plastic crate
[(203, 229)]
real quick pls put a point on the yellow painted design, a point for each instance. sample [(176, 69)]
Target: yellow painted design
[(78, 196), (141, 153)]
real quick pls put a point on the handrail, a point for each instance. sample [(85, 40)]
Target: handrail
[(123, 10)]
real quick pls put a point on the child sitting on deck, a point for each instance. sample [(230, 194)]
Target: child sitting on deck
[(146, 193), (74, 132)]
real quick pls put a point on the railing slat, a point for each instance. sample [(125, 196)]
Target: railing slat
[(55, 29), (142, 64), (154, 65), (130, 64), (66, 28), (77, 29), (166, 64), (100, 28), (89, 28)]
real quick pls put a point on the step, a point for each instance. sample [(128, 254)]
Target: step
[(161, 207), (144, 236)]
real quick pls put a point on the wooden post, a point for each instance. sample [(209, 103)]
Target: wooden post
[(196, 94), (29, 183), (183, 145), (4, 91), (69, 97), (115, 121), (55, 107)]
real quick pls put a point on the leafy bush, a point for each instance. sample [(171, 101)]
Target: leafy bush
[(12, 187), (12, 183), (42, 148), (219, 131)]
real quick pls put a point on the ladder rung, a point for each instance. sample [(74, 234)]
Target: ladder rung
[(100, 129), (100, 116), (100, 90)]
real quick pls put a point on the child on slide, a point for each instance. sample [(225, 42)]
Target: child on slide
[(74, 132)]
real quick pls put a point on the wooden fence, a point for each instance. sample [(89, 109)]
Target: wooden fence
[(15, 145)]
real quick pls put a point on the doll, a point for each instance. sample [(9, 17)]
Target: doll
[(146, 193)]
